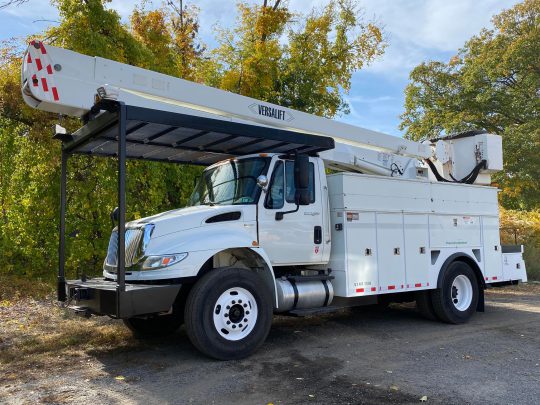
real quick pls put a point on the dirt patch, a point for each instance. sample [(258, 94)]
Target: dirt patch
[(48, 355)]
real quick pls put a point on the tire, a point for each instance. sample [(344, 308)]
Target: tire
[(424, 305), (456, 301), (155, 326), (228, 313)]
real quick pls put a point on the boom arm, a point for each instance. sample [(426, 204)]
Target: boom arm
[(65, 82)]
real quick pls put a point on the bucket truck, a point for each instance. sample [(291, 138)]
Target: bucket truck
[(294, 214)]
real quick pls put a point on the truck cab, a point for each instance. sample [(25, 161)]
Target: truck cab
[(248, 202)]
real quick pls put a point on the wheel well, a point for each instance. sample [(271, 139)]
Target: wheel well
[(462, 257), (243, 258)]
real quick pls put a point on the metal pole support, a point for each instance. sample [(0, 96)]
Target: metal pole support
[(121, 269), (61, 282)]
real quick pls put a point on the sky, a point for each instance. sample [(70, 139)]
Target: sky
[(416, 31)]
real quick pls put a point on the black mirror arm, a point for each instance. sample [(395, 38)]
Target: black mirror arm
[(279, 215)]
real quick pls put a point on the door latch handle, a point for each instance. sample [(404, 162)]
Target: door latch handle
[(317, 235)]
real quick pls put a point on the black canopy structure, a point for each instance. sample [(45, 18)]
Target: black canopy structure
[(130, 132), (180, 138)]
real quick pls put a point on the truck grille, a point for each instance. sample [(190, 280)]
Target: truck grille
[(134, 248)]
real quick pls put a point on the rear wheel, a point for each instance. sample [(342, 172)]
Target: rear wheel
[(457, 299), (424, 305), (228, 313)]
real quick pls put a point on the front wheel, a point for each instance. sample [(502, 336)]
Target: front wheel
[(228, 313), (457, 299)]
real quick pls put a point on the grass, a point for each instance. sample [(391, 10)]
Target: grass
[(39, 332)]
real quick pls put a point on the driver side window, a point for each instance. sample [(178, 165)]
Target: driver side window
[(276, 192)]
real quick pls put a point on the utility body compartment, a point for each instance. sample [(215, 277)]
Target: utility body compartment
[(393, 235)]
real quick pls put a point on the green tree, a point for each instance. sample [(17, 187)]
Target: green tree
[(309, 71), (493, 83), (271, 54)]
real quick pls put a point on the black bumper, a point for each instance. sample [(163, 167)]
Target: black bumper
[(102, 297)]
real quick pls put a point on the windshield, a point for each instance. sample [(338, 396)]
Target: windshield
[(233, 182)]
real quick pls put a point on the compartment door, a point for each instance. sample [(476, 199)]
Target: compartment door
[(416, 251), (361, 247), (390, 252), (492, 249)]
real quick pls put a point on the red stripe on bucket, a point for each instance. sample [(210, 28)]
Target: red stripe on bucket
[(29, 59), (38, 63), (49, 69), (55, 94), (43, 50), (44, 84)]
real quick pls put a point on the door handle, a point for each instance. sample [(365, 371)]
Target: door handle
[(317, 235)]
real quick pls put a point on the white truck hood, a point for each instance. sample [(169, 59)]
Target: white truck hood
[(187, 218)]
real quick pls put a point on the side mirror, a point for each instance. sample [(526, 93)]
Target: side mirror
[(301, 172), (262, 181), (301, 179), (114, 216)]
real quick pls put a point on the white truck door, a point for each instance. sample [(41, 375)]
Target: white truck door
[(298, 237)]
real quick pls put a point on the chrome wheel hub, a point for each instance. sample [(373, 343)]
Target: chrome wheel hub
[(462, 293), (235, 313)]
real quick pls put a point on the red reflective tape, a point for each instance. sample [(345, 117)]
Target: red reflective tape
[(29, 58), (391, 287), (49, 69), (359, 290), (32, 42), (427, 284), (35, 81), (373, 288), (55, 94), (494, 278), (43, 50), (44, 84), (38, 63), (418, 285), (487, 278), (402, 286)]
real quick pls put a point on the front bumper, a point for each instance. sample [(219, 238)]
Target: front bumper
[(98, 296)]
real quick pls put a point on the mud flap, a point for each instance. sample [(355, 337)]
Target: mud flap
[(480, 307)]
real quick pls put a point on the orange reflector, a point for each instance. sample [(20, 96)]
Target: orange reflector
[(165, 261), (255, 243)]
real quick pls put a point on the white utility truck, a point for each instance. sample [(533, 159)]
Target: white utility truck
[(294, 213)]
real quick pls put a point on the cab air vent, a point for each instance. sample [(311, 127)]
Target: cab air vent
[(228, 216)]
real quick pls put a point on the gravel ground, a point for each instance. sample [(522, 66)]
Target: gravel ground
[(359, 356)]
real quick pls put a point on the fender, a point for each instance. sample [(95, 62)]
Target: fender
[(217, 239)]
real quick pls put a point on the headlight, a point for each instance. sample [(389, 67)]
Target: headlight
[(159, 262)]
